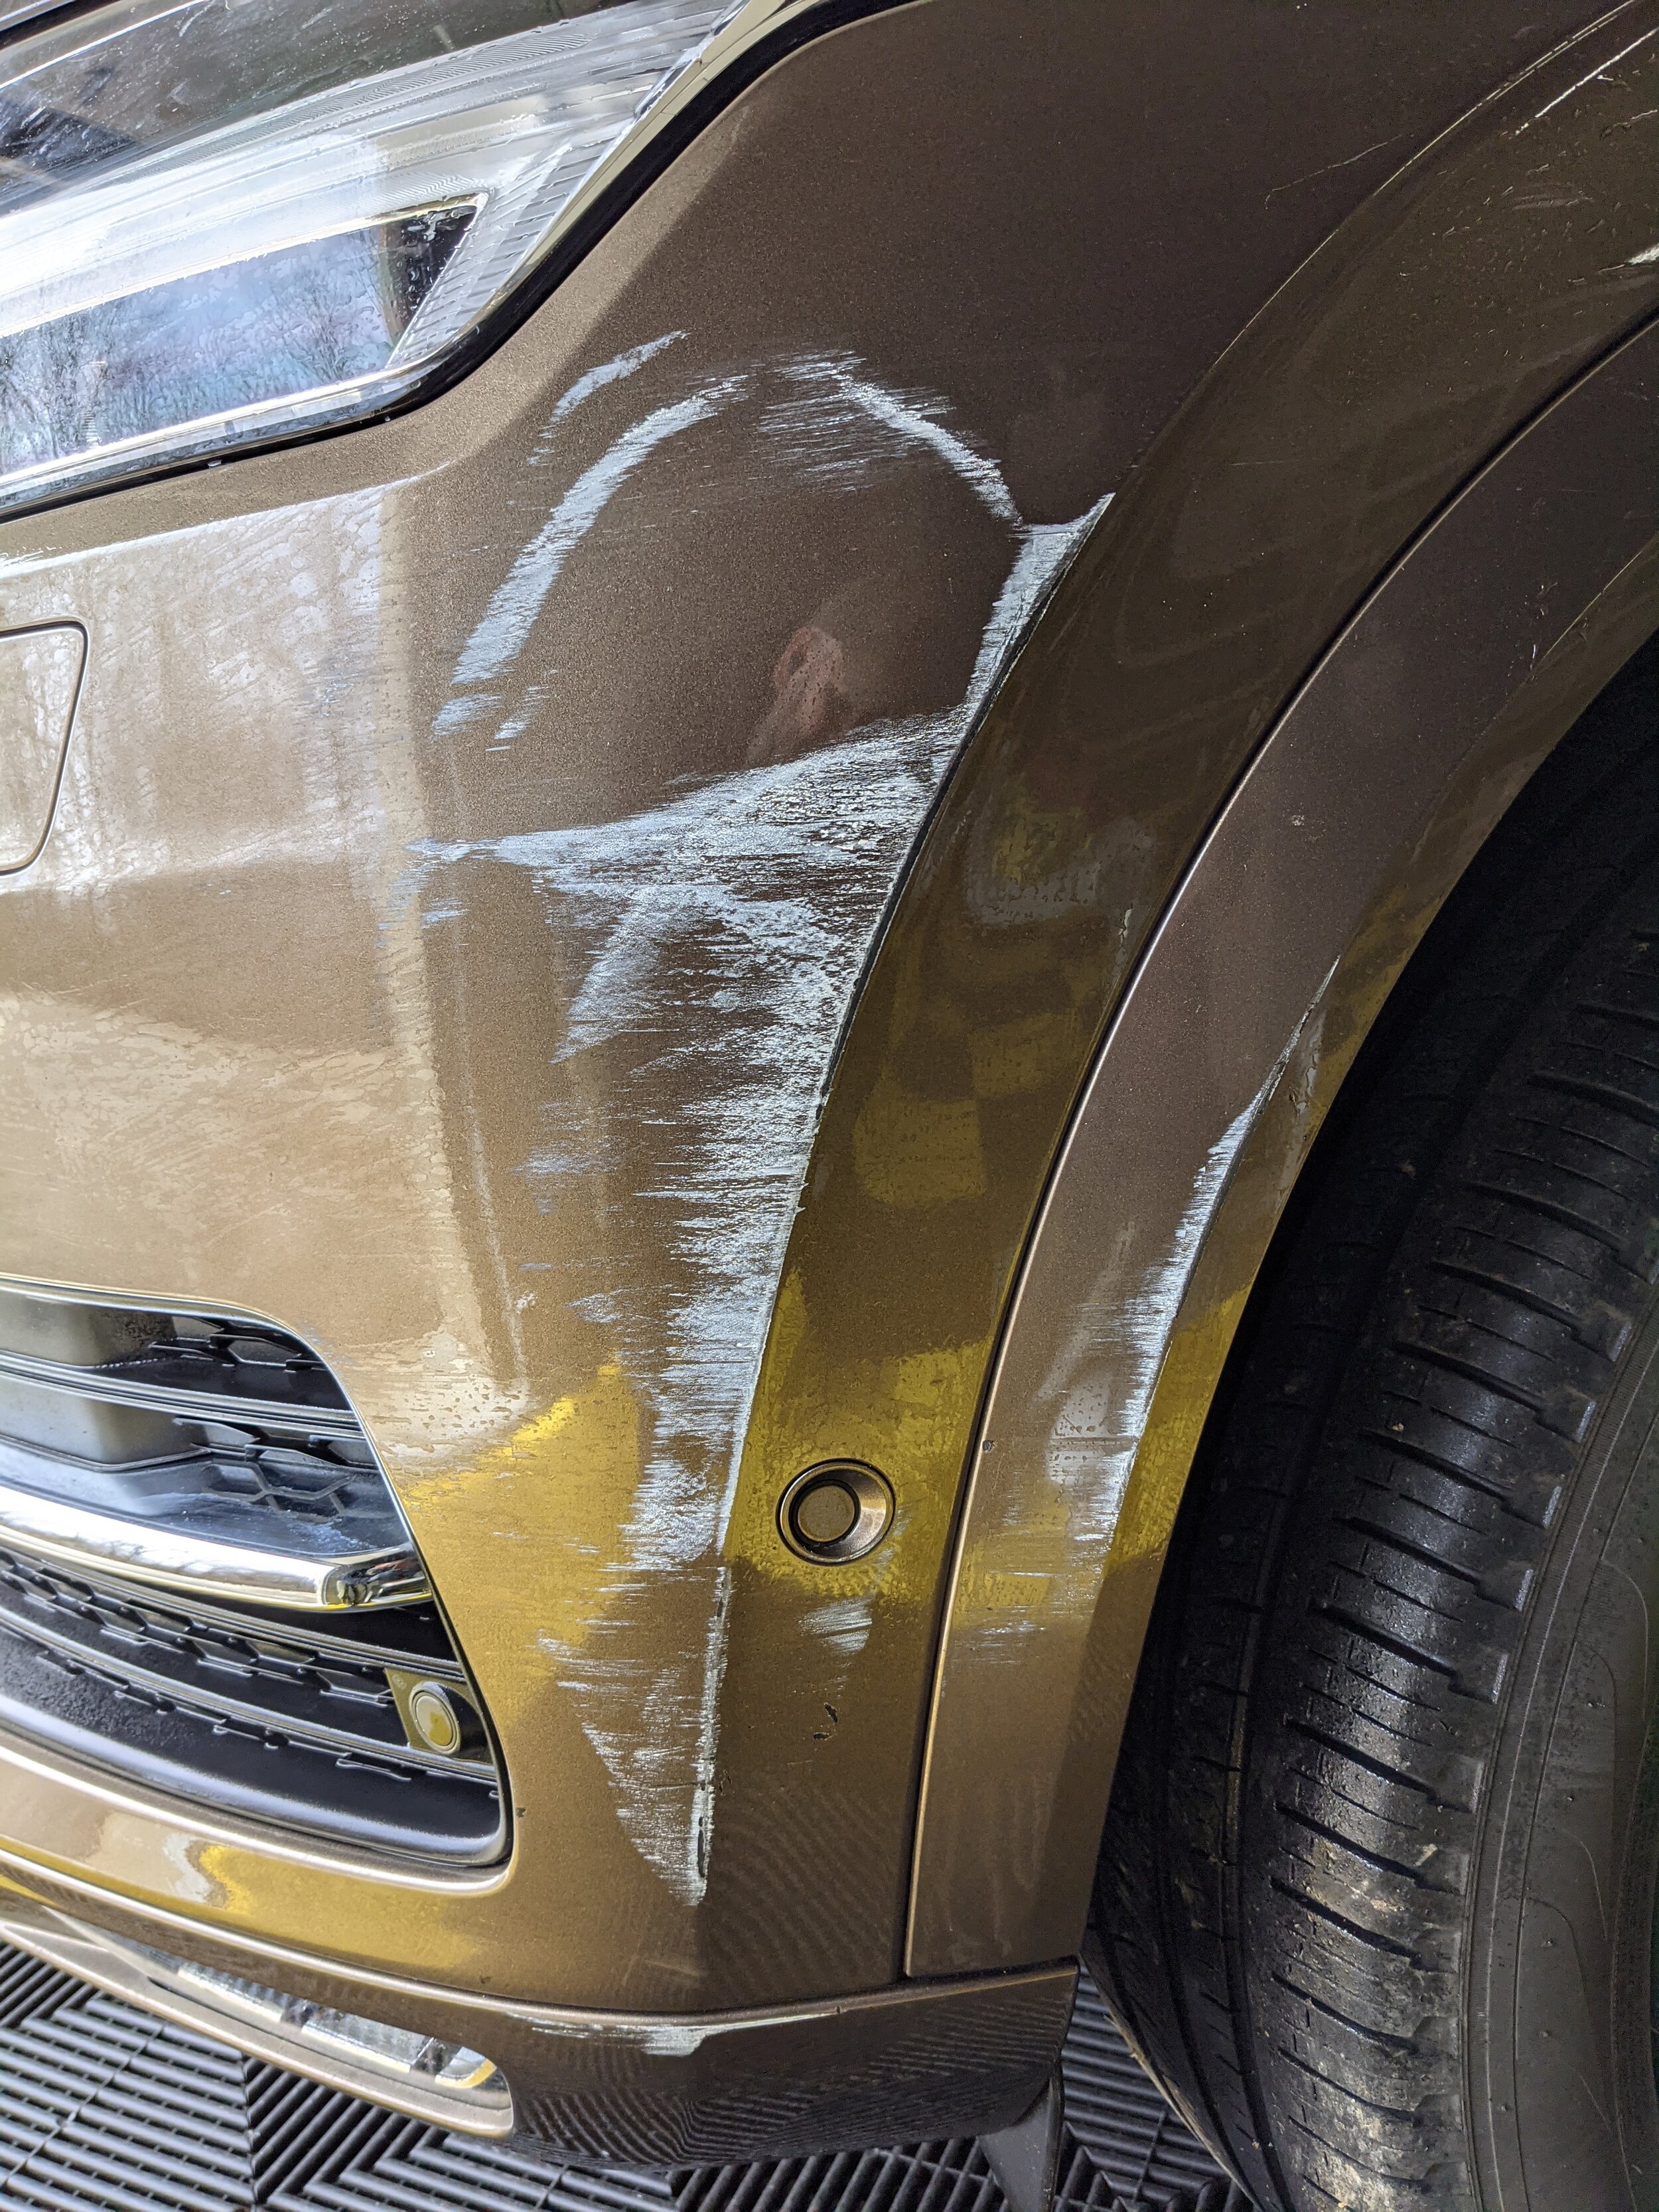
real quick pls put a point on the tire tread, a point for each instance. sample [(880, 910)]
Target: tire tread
[(1286, 1870)]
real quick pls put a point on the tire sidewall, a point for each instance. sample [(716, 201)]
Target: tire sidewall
[(1560, 2071)]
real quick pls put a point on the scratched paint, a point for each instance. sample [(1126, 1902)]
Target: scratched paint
[(831, 398), (718, 938), (505, 629), (1093, 1404), (1100, 1385), (595, 379), (844, 1623)]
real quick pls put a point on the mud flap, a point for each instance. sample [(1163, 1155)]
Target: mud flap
[(1025, 2157)]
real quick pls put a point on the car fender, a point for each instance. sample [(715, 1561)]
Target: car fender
[(1430, 328), (392, 748), (1378, 786)]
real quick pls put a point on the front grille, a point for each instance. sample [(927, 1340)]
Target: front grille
[(224, 1604), (191, 1446)]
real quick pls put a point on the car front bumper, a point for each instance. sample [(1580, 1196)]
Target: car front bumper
[(923, 2060)]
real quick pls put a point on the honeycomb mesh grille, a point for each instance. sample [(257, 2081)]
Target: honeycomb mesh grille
[(104, 2108), (207, 1584), (278, 1719), (174, 1421)]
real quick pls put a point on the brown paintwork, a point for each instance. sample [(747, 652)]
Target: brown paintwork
[(669, 2090), (286, 1022), (1378, 786), (1312, 455)]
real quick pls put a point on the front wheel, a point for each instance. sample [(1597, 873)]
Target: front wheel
[(1376, 1897)]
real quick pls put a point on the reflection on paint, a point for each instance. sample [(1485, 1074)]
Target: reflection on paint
[(1031, 1568), (718, 940), (511, 615)]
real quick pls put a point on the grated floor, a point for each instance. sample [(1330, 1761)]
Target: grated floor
[(104, 2109)]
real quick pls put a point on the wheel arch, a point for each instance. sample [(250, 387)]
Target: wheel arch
[(1434, 322), (1386, 774)]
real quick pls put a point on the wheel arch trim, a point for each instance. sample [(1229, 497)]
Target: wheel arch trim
[(1379, 782), (1431, 324)]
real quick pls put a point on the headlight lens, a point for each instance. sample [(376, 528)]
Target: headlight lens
[(227, 220)]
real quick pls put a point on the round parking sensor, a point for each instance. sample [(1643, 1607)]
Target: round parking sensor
[(835, 1512)]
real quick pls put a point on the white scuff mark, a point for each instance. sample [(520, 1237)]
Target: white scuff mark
[(429, 855), (1644, 259), (671, 2038), (1038, 566), (719, 939), (713, 1674), (515, 725), (531, 702), (1594, 76), (843, 1623), (767, 885), (1098, 1390), (667, 2037), (831, 379), (768, 867), (504, 628), (1134, 1334), (1101, 1385), (608, 372)]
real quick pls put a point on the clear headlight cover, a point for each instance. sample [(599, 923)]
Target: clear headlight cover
[(226, 220)]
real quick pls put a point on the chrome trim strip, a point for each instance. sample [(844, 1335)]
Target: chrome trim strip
[(114, 1389), (172, 1558), (314, 1635), (196, 1999)]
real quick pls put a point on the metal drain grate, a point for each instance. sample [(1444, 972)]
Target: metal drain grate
[(105, 2109), (1126, 2130)]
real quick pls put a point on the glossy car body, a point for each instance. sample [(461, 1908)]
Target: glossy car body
[(563, 900)]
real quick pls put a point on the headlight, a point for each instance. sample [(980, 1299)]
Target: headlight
[(230, 220)]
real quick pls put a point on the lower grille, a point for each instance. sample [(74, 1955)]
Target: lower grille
[(256, 1714), (140, 1541), (192, 1448)]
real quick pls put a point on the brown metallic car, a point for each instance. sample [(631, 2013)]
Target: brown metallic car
[(830, 1064)]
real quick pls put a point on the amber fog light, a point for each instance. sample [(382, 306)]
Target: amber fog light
[(835, 1512)]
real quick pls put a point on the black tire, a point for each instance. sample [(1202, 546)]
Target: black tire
[(1375, 1898)]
